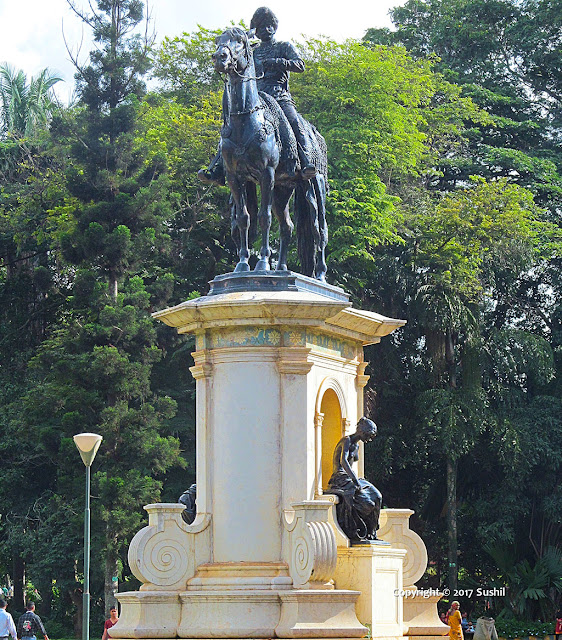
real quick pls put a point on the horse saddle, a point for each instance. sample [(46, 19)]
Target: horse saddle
[(284, 135)]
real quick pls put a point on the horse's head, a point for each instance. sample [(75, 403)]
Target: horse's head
[(234, 52)]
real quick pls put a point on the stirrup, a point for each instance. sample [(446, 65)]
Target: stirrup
[(308, 171)]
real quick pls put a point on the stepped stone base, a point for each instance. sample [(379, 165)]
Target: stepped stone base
[(307, 613)]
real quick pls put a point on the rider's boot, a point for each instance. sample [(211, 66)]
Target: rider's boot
[(308, 170)]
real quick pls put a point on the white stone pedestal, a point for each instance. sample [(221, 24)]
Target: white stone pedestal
[(421, 618), (376, 571), (279, 380)]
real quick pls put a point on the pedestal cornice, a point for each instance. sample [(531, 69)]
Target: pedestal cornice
[(279, 308)]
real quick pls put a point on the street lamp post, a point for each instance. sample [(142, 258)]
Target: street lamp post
[(88, 445)]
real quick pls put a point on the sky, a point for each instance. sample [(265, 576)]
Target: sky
[(31, 31)]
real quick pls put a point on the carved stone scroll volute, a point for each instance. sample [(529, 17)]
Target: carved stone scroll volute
[(313, 551), (163, 555)]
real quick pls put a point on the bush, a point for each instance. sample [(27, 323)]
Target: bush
[(57, 630), (520, 629)]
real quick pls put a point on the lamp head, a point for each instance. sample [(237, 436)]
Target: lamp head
[(88, 445)]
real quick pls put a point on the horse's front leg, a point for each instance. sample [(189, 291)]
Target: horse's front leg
[(242, 221), (264, 217)]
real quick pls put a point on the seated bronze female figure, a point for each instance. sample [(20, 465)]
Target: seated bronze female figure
[(360, 502)]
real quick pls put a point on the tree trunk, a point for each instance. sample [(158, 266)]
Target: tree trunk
[(450, 359), (19, 582), (452, 523), (76, 595), (110, 585), (436, 350), (113, 287), (46, 591)]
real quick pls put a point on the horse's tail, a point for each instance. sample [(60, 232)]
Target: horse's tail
[(306, 219)]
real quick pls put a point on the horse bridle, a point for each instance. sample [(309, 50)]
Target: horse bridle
[(234, 65)]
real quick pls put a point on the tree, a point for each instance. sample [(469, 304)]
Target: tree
[(24, 108), (30, 292), (370, 105), (501, 53), (464, 260), (498, 52), (183, 65), (95, 368)]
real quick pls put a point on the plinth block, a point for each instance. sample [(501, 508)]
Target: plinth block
[(229, 576), (421, 618), (319, 613), (375, 571), (146, 614), (274, 281), (257, 613), (229, 614)]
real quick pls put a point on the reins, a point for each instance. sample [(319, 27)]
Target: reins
[(240, 75), (244, 113), (224, 74)]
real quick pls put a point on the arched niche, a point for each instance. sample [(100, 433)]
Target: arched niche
[(331, 418)]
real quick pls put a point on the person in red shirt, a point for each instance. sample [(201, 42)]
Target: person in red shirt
[(558, 630), (113, 617)]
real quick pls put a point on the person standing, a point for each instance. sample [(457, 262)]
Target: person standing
[(29, 624), (7, 626), (558, 628), (455, 622), (112, 621)]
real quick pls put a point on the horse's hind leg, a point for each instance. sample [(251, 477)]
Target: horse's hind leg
[(319, 184), (281, 197), (264, 216), (242, 221), (233, 224), (252, 206)]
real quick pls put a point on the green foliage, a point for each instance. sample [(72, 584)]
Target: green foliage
[(376, 93), (473, 233), (530, 586), (368, 104), (502, 53), (510, 628), (183, 65), (24, 108)]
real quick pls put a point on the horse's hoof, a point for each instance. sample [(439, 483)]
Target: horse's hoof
[(262, 265), (282, 267), (241, 267)]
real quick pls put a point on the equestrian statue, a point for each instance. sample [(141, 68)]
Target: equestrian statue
[(266, 142)]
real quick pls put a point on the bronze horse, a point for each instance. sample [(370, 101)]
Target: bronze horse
[(253, 152)]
